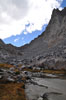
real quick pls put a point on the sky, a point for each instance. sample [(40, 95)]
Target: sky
[(23, 20)]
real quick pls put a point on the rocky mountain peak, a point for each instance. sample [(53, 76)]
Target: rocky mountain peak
[(56, 28), (63, 12), (48, 49), (58, 12)]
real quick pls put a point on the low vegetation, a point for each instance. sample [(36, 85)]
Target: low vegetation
[(12, 91), (47, 71), (31, 70), (6, 65), (55, 71)]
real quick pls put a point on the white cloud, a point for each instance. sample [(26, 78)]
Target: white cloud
[(15, 14), (60, 8), (16, 40), (25, 32)]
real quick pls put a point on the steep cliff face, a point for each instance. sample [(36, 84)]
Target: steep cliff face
[(48, 49), (54, 35), (56, 28)]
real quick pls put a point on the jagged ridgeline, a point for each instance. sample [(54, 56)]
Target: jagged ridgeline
[(48, 50)]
